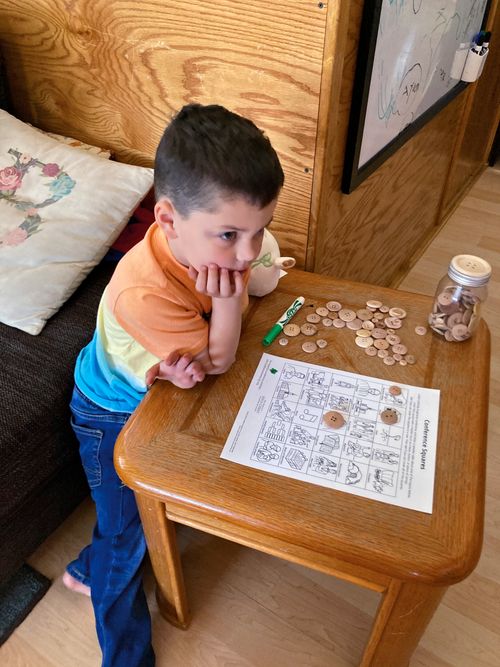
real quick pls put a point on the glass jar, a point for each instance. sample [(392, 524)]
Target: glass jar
[(458, 298)]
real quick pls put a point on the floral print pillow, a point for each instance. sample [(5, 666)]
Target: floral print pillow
[(61, 208), (11, 179)]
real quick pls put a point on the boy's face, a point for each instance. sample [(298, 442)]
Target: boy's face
[(229, 235)]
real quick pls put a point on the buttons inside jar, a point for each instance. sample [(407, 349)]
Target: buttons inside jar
[(455, 312)]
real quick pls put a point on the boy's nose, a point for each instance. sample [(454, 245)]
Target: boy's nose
[(248, 251)]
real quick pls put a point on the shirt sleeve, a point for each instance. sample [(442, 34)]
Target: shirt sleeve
[(159, 324)]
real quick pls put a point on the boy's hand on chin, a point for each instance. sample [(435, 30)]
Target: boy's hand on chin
[(178, 369), (216, 282)]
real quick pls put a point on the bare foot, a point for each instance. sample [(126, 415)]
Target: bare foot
[(74, 585)]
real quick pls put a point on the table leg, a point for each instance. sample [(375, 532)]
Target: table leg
[(162, 547), (403, 614)]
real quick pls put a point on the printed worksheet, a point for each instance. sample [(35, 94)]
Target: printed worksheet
[(348, 432)]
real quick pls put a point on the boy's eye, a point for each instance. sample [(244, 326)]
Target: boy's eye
[(228, 236)]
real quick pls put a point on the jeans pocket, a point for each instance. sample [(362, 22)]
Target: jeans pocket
[(90, 443)]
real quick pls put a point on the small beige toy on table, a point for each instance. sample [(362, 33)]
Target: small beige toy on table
[(268, 268)]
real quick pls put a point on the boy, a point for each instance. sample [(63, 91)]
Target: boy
[(172, 311)]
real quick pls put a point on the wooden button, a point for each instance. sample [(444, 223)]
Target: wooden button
[(364, 342), (455, 318), (371, 351), (321, 342), (400, 349), (354, 324), (368, 325), (308, 329), (291, 329), (334, 306), (444, 299), (392, 339), (460, 332), (394, 390), (338, 323), (389, 360), (327, 322), (384, 309), (321, 311), (421, 331), (393, 322), (283, 341), (363, 314), (377, 332), (389, 416), (309, 346), (347, 315), (381, 344), (382, 354), (373, 303), (334, 419), (446, 303), (468, 316), (397, 312), (314, 318), (410, 359)]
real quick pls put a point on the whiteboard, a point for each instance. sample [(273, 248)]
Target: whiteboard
[(416, 46), (409, 65)]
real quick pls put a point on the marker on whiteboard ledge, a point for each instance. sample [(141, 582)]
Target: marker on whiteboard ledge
[(486, 43), (478, 43), (484, 51), (284, 319)]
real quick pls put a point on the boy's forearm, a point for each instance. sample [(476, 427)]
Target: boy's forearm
[(224, 333)]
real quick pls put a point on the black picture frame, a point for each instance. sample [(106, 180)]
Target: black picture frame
[(353, 174)]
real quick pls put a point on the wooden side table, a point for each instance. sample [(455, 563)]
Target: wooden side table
[(169, 454)]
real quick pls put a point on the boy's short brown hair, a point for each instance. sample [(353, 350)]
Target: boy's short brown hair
[(208, 152)]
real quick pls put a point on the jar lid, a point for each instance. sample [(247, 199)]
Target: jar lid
[(469, 270)]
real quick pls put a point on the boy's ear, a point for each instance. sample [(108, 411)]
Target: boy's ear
[(164, 215)]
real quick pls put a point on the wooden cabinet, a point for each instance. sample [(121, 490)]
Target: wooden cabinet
[(113, 72)]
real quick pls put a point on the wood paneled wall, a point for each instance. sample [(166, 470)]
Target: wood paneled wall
[(479, 124), (378, 231), (111, 72)]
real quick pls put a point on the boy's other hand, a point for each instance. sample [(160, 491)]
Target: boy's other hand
[(216, 282), (178, 369)]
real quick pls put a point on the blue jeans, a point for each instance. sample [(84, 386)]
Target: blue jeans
[(111, 564)]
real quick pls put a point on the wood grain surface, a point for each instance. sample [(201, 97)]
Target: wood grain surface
[(113, 73)]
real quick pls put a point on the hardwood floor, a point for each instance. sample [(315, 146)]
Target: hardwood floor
[(254, 610)]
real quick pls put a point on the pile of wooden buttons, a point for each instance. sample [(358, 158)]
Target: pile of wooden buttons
[(454, 313), (376, 326)]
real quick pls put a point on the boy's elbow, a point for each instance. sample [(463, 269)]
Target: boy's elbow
[(220, 367)]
